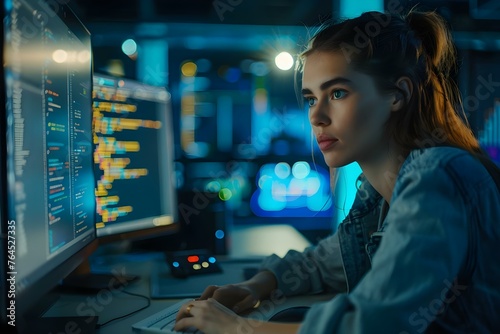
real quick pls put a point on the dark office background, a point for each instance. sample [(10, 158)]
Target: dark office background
[(236, 116)]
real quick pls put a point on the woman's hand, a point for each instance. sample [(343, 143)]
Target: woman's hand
[(243, 296), (208, 316), (238, 297), (211, 317)]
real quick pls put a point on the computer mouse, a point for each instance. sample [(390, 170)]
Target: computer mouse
[(291, 314)]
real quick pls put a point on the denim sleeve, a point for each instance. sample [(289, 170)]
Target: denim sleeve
[(317, 269), (414, 271)]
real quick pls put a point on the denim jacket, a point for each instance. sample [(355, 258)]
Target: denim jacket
[(428, 262)]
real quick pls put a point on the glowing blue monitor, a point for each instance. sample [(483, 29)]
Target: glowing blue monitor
[(47, 169), (292, 191)]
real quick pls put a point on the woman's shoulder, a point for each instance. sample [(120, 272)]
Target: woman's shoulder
[(458, 165), (436, 156), (440, 157)]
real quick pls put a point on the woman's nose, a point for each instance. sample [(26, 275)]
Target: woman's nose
[(320, 115)]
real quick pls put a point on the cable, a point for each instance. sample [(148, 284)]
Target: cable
[(128, 314)]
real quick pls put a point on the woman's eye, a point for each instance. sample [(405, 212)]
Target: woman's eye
[(338, 94), (310, 101)]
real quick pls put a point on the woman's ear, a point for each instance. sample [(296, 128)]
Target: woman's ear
[(403, 95)]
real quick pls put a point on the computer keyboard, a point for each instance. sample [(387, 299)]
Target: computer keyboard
[(163, 321)]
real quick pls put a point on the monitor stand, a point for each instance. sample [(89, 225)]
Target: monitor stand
[(82, 278)]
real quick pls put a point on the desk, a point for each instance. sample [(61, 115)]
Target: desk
[(109, 304), (248, 242)]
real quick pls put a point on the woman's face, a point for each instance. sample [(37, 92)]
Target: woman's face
[(346, 111)]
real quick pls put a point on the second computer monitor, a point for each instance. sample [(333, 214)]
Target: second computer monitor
[(133, 159)]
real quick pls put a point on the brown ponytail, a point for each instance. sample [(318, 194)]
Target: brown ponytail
[(440, 91)]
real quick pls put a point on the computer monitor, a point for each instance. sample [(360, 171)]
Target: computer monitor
[(133, 160), (47, 178)]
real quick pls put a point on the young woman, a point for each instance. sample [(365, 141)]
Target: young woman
[(418, 251)]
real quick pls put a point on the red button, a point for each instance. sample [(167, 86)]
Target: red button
[(193, 259)]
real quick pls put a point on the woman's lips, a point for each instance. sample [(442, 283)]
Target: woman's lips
[(326, 144)]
